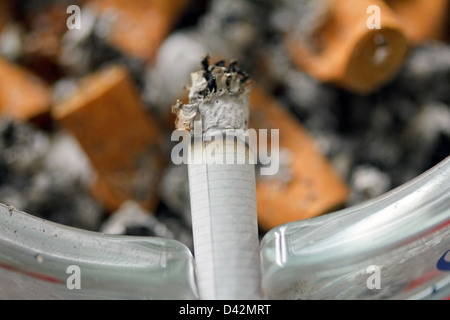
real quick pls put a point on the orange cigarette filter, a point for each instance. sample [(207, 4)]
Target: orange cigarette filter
[(23, 96), (349, 53), (140, 26), (313, 187), (421, 20), (121, 140)]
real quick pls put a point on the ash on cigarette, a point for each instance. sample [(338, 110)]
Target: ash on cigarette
[(232, 70), (375, 142), (218, 96)]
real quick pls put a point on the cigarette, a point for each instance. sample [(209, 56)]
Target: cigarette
[(422, 20), (120, 139), (307, 184), (223, 196), (346, 51), (23, 96)]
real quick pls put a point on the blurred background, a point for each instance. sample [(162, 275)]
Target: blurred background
[(86, 96)]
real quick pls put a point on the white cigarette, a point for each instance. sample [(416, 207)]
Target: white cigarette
[(223, 196)]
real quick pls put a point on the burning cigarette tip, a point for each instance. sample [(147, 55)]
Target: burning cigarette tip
[(218, 96)]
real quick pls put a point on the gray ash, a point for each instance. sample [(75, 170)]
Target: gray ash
[(29, 183)]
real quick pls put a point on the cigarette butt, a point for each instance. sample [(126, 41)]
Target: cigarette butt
[(313, 186), (421, 19), (349, 53), (119, 137), (223, 195), (139, 27), (23, 96)]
